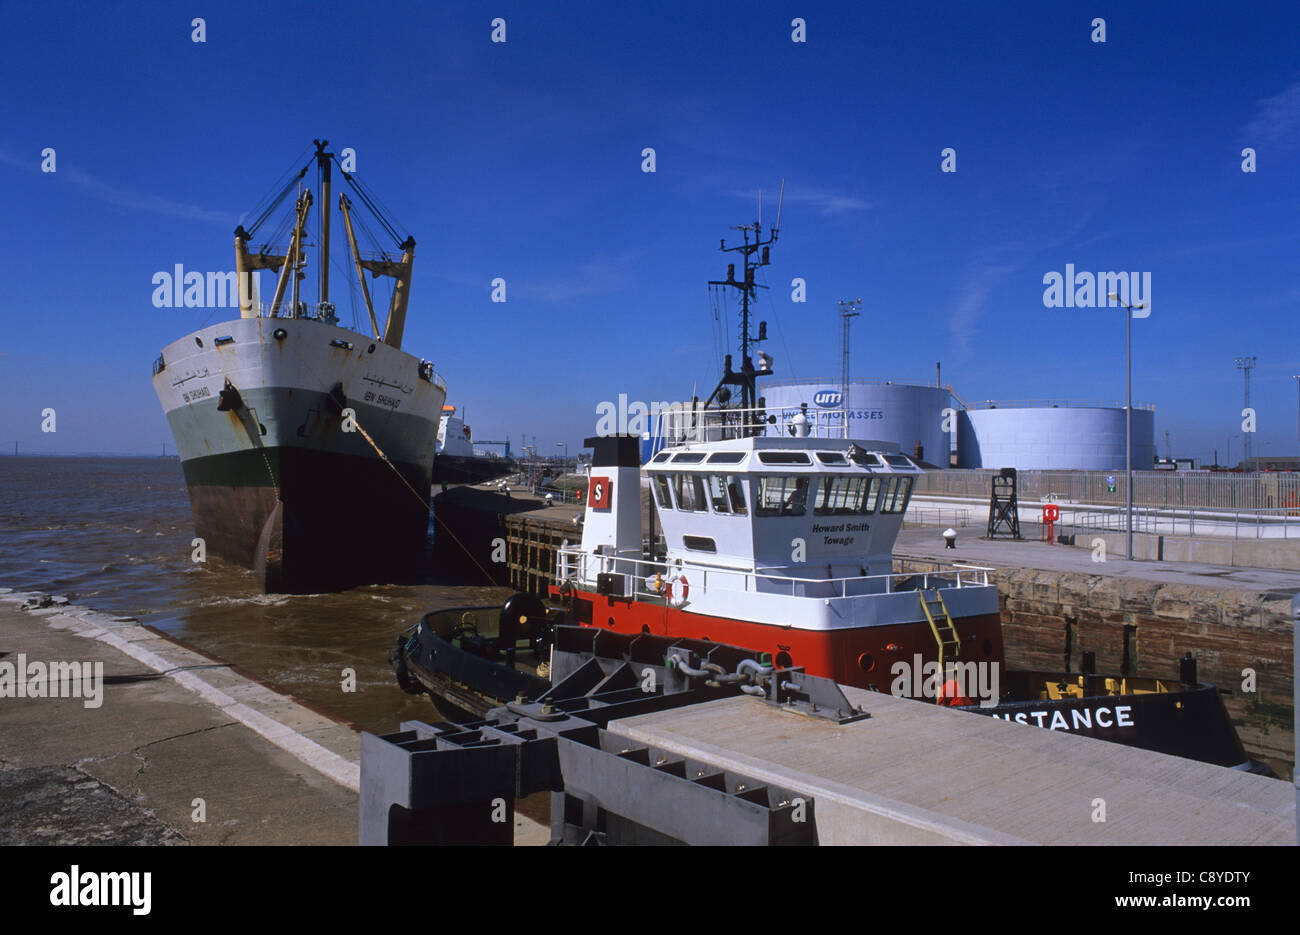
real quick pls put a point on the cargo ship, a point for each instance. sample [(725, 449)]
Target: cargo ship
[(458, 462), (777, 558), (307, 446)]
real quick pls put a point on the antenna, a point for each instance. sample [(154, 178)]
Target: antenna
[(779, 205), (747, 377), (848, 312)]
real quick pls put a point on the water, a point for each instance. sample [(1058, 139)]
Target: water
[(115, 534)]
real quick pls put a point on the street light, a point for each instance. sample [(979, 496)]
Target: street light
[(1230, 438), (1297, 379), (1128, 415), (565, 446)]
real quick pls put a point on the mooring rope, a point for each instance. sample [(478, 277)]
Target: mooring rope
[(427, 506)]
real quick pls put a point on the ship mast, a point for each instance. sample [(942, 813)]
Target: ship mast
[(380, 262), (323, 171), (747, 377)]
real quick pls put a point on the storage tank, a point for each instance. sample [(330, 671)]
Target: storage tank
[(898, 412), (1053, 435)]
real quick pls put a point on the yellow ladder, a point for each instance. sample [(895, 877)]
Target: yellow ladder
[(945, 634)]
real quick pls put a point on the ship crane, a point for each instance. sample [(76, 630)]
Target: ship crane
[(292, 260)]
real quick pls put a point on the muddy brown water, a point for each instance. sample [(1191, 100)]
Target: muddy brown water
[(115, 534)]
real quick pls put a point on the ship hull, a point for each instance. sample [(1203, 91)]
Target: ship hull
[(279, 424), (457, 469), (305, 534), (860, 656)]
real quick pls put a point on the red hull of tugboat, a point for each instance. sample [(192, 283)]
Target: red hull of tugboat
[(862, 657)]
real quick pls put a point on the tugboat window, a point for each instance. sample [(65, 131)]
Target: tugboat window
[(841, 496), (727, 457), (662, 496), (781, 496), (873, 493), (736, 491), (690, 494), (717, 486), (783, 457), (895, 498)]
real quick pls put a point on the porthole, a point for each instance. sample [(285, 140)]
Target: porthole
[(371, 349), (279, 334), (198, 340), (867, 662)]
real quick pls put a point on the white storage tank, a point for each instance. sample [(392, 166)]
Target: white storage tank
[(1053, 435), (903, 413)]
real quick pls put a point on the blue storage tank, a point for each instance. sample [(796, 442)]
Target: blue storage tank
[(1053, 436), (906, 414)]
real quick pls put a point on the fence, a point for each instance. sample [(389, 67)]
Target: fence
[(1254, 524), (1226, 491), (916, 516)]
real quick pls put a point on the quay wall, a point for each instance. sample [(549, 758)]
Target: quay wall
[(1142, 628)]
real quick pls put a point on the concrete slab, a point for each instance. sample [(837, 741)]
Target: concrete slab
[(914, 773), (131, 771)]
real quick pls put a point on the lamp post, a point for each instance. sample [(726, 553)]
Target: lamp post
[(1229, 464), (565, 446), (1297, 379), (1128, 416)]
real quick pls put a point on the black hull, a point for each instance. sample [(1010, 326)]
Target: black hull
[(1191, 723), (307, 520), (454, 469)]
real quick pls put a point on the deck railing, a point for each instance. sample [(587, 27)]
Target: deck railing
[(638, 575)]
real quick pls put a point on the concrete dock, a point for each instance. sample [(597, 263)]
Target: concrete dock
[(180, 749), (914, 773)]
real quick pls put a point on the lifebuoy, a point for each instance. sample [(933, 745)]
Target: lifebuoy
[(677, 599)]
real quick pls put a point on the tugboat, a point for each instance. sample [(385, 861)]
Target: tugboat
[(307, 447), (777, 541)]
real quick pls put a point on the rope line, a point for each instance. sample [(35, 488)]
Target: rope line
[(383, 457)]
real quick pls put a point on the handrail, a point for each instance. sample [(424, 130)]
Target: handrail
[(572, 559)]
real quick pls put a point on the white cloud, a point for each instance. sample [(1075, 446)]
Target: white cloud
[(121, 197), (1277, 120)]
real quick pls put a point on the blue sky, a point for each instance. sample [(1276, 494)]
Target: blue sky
[(523, 160)]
